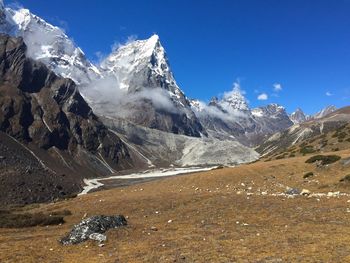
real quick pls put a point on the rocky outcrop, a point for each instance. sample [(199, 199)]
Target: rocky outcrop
[(93, 228), (47, 114)]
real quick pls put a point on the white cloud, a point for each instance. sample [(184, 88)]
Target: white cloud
[(277, 87), (329, 94), (263, 96), (116, 45)]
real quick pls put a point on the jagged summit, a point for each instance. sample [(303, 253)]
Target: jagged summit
[(234, 100), (271, 110), (141, 57), (298, 116), (322, 113)]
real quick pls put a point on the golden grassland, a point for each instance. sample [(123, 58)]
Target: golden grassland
[(224, 215)]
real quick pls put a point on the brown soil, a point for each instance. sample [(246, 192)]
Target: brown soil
[(217, 216)]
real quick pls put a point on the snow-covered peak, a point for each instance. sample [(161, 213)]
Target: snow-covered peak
[(49, 44), (134, 57), (234, 100), (143, 64), (298, 116), (271, 111), (322, 113)]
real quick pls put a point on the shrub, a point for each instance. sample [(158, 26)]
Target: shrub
[(307, 175), (307, 149), (9, 219), (324, 159), (292, 155), (341, 135)]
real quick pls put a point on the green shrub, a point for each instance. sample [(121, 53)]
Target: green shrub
[(307, 149), (324, 159), (307, 175)]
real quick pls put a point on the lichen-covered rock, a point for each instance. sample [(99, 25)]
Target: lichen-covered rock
[(93, 228)]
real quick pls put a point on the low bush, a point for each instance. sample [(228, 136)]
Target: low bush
[(9, 219), (324, 159), (307, 149)]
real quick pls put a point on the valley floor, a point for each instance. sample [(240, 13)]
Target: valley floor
[(226, 215)]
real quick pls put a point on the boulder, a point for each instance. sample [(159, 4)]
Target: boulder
[(93, 228)]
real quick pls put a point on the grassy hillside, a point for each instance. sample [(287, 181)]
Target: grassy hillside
[(237, 214)]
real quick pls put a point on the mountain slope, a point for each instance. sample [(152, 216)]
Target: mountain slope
[(163, 149), (324, 112), (46, 115), (48, 44), (328, 133)]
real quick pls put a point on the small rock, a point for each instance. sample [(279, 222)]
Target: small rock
[(170, 221), (98, 237), (333, 194), (153, 228), (305, 192), (101, 245), (293, 191)]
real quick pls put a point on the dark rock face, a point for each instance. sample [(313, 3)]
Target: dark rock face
[(47, 113), (92, 228), (41, 107), (144, 113)]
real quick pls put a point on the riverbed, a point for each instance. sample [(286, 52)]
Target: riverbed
[(96, 183)]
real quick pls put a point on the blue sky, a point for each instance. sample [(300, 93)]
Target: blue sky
[(303, 45)]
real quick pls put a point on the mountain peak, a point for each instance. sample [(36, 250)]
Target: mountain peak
[(235, 99), (322, 113), (298, 116), (153, 39), (138, 56)]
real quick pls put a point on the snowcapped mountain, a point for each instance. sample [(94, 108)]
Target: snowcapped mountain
[(298, 116), (142, 78), (139, 68), (234, 100), (232, 118), (144, 64), (324, 112), (48, 44)]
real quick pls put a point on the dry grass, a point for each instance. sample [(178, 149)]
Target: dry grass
[(215, 219)]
